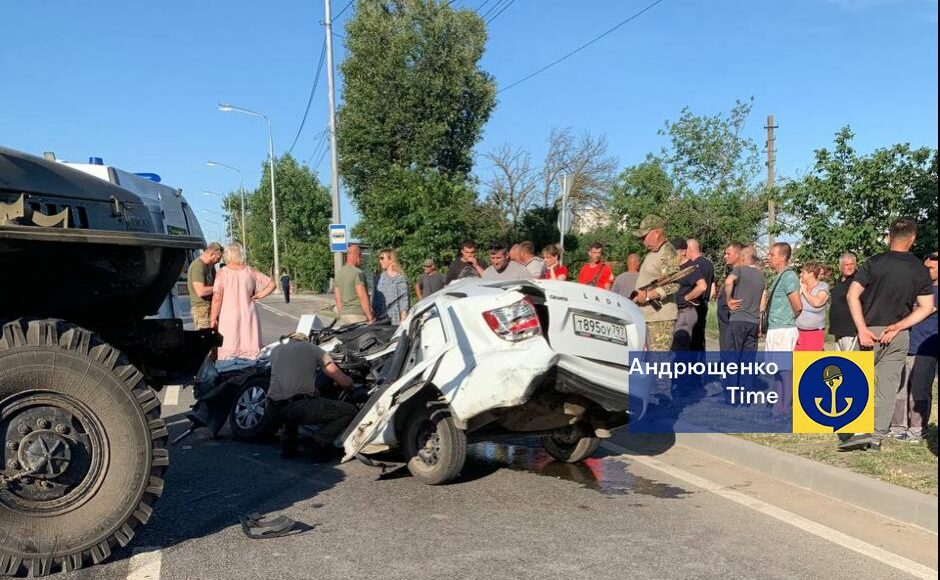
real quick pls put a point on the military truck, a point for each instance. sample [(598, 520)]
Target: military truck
[(86, 264)]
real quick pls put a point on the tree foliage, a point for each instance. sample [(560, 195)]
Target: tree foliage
[(703, 184), (415, 102), (848, 201), (303, 210), (511, 184)]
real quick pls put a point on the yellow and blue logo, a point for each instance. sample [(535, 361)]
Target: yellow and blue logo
[(833, 392)]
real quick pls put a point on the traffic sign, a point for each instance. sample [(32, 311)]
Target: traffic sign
[(339, 241), (565, 217)]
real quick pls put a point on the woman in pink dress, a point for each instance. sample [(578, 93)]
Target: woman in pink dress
[(236, 289)]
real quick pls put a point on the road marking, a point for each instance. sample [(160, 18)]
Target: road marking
[(277, 311), (836, 537), (145, 564), (171, 397)]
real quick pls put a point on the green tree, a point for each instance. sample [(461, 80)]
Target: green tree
[(703, 184), (415, 102), (303, 210), (848, 201)]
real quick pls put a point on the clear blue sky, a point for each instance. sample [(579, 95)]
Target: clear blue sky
[(138, 83)]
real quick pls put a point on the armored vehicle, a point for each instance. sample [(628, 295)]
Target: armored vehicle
[(86, 264)]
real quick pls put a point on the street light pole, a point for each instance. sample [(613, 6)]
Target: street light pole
[(231, 108), (241, 191), (334, 162)]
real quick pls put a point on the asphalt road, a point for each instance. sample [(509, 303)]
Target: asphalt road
[(660, 511)]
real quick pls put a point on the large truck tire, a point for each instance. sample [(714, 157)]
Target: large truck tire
[(83, 448)]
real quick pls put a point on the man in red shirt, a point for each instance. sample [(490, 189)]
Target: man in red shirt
[(596, 272)]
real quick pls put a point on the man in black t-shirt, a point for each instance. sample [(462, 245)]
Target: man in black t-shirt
[(841, 325), (466, 264), (891, 293), (691, 289), (707, 269)]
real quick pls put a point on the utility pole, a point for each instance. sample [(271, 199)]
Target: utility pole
[(334, 162), (771, 205)]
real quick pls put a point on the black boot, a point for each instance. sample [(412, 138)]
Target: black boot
[(289, 442)]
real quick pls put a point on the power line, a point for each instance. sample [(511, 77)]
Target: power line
[(345, 8), (495, 16), (480, 7), (582, 47), (322, 155), (491, 9), (320, 138), (313, 90)]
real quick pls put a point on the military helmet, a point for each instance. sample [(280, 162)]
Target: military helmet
[(831, 372)]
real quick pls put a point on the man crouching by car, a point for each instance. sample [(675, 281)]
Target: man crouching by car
[(294, 398)]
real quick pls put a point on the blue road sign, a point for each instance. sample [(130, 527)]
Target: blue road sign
[(339, 240)]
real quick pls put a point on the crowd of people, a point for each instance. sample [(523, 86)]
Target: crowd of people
[(884, 305)]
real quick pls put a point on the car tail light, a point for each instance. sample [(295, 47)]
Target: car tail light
[(515, 322)]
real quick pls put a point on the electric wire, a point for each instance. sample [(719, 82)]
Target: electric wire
[(313, 91), (495, 16), (633, 17)]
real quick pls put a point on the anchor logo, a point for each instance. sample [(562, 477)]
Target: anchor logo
[(832, 376), (833, 392)]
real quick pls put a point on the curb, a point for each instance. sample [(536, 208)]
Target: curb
[(887, 499)]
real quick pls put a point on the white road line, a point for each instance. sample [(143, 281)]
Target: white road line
[(145, 564), (171, 397), (277, 311), (836, 537)]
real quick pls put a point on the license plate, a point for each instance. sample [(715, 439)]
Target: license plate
[(600, 329)]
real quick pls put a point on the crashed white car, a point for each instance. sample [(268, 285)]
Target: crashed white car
[(481, 360)]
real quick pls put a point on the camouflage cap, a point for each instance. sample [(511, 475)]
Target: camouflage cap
[(649, 223)]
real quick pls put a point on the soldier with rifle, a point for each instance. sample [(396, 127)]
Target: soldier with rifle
[(658, 302)]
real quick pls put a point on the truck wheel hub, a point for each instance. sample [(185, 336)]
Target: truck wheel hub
[(44, 453), (57, 466)]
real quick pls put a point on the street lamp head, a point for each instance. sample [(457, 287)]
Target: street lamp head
[(226, 107)]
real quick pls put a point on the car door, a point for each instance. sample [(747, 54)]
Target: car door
[(375, 415)]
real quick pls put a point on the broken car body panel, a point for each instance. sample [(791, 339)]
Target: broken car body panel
[(535, 384)]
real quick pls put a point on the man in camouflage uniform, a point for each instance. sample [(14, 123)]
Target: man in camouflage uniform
[(661, 260)]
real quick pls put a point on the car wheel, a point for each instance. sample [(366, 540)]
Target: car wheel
[(82, 448), (250, 418), (571, 446), (435, 448)]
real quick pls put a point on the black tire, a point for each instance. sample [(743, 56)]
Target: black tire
[(251, 418), (435, 448), (572, 446), (65, 391)]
